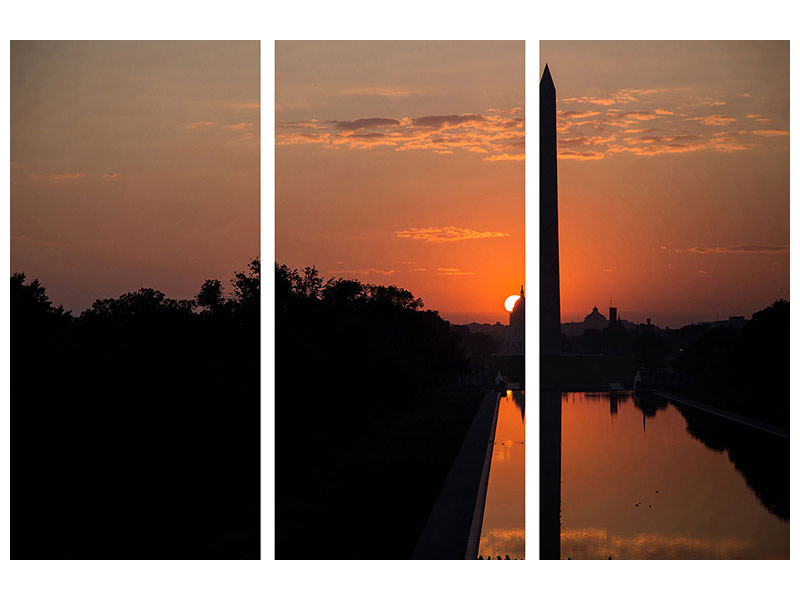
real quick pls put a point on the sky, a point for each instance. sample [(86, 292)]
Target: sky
[(402, 163), (133, 164), (673, 177)]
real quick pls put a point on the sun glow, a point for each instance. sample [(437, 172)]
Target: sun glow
[(510, 302)]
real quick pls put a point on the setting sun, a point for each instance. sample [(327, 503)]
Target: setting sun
[(510, 302)]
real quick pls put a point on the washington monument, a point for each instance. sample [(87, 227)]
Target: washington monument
[(550, 299)]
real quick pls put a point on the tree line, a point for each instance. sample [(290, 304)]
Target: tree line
[(135, 426)]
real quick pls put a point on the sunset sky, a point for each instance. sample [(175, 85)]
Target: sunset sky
[(673, 177), (134, 164), (403, 163)]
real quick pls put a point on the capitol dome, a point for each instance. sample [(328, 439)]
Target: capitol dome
[(595, 320)]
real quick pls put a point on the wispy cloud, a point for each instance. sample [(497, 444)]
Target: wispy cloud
[(242, 126), (378, 91), (200, 125), (504, 156), (714, 119), (623, 96), (58, 177), (711, 102), (740, 249), (369, 271), (110, 176), (654, 122), (452, 271), (447, 234)]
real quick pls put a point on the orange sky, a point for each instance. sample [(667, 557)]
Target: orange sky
[(403, 163), (673, 177), (134, 164)]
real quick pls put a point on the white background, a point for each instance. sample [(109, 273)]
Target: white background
[(411, 19)]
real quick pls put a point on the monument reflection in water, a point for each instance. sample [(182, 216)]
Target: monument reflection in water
[(503, 529), (642, 479)]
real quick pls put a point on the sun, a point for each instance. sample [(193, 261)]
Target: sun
[(510, 302)]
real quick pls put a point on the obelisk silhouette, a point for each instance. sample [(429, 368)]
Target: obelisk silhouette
[(550, 298), (549, 327)]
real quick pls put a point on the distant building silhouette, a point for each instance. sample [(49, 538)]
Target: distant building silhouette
[(550, 298), (595, 320)]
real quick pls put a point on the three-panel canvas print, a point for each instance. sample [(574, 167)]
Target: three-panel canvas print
[(657, 278)]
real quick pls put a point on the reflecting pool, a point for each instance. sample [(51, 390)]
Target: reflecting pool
[(643, 478), (503, 529)]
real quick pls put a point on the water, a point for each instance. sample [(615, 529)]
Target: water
[(642, 478), (503, 529)]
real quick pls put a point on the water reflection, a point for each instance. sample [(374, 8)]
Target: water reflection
[(643, 479), (503, 529)]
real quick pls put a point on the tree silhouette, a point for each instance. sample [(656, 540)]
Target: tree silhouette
[(353, 359), (210, 296), (142, 417)]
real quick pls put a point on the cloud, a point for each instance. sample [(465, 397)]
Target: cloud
[(674, 128), (293, 139), (623, 96), (379, 271), (640, 115), (714, 119), (579, 114), (765, 132), (366, 140), (57, 177), (739, 249), (303, 124), (241, 126), (452, 271), (200, 124), (499, 134), (580, 155), (110, 176), (711, 102), (588, 100), (505, 156), (447, 234), (377, 91), (369, 271), (439, 121), (365, 123)]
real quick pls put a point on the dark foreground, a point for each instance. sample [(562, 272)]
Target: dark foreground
[(368, 495), (135, 428), (369, 417)]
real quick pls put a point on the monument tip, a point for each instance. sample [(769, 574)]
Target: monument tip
[(547, 79)]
